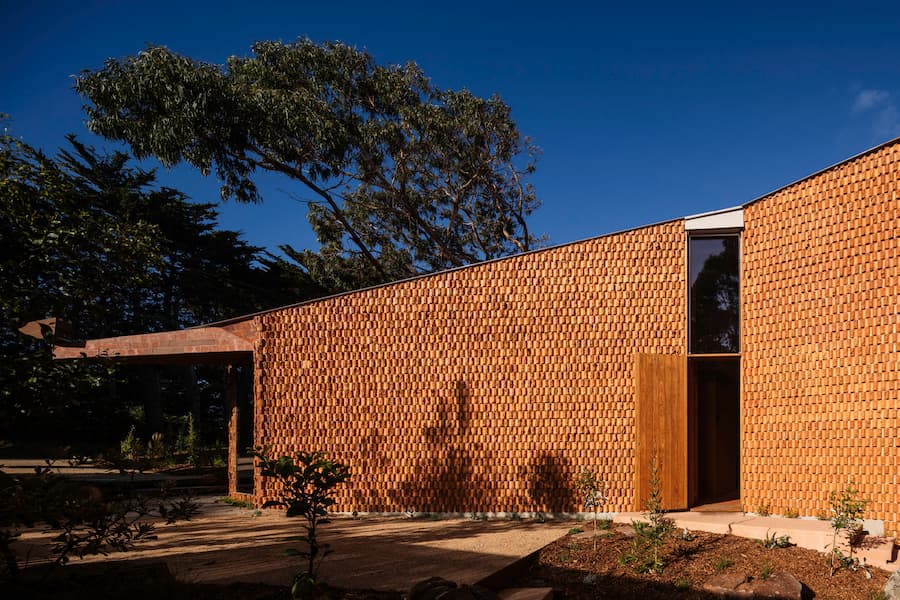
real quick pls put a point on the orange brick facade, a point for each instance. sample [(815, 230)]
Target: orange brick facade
[(821, 350), (483, 389), (489, 388)]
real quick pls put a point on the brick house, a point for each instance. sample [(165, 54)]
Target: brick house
[(756, 350)]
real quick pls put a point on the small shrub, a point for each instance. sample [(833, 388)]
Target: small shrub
[(763, 510), (650, 536), (791, 513), (722, 563), (130, 447), (776, 541), (307, 481), (574, 531), (85, 523), (766, 572), (191, 442), (156, 447), (847, 510), (593, 493)]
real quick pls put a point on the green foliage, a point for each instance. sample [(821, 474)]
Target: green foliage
[(763, 510), (90, 239), (722, 563), (130, 447), (235, 502), (189, 442), (402, 177), (776, 541), (574, 531), (766, 572), (593, 493), (651, 535), (85, 523), (791, 513), (306, 485), (847, 510)]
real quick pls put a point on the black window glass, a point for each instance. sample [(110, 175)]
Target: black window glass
[(715, 295)]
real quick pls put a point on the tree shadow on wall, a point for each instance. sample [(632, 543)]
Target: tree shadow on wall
[(458, 471), (549, 482)]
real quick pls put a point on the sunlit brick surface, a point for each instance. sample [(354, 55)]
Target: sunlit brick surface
[(483, 389), (821, 340)]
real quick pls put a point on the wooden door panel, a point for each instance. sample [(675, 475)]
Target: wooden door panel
[(661, 415)]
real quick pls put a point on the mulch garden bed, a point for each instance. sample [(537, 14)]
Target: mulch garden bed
[(576, 571)]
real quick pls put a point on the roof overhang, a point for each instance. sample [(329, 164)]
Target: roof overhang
[(228, 344)]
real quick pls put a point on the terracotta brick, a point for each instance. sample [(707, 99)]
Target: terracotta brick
[(482, 389), (821, 326)]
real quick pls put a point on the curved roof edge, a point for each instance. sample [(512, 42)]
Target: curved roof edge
[(437, 273), (821, 171)]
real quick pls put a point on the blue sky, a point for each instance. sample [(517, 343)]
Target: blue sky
[(643, 112)]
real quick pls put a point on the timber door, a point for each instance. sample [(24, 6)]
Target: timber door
[(661, 420)]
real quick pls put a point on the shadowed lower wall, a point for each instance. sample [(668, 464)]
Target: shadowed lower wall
[(821, 350), (483, 389)]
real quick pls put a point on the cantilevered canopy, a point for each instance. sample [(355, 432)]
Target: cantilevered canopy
[(208, 344)]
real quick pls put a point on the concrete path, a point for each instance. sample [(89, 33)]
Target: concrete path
[(227, 544), (806, 533)]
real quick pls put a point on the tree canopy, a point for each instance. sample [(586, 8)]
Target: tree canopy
[(89, 238), (401, 177)]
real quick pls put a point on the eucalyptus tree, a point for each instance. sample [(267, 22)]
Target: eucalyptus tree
[(400, 177)]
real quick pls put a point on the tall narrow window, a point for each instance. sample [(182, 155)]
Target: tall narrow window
[(715, 295)]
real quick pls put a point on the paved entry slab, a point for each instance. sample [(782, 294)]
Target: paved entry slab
[(227, 544)]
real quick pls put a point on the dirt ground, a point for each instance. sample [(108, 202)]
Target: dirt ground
[(226, 544), (572, 567)]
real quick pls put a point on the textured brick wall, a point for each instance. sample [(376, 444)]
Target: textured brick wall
[(484, 389), (821, 343)]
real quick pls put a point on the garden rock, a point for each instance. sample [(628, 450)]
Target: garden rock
[(732, 585), (780, 585), (892, 587), (728, 585)]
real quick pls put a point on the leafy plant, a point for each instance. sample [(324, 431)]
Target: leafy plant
[(776, 541), (651, 535), (791, 513), (593, 493), (763, 510), (189, 441), (85, 522), (307, 481), (574, 531), (130, 447), (405, 177), (235, 502), (767, 571), (722, 563), (847, 510)]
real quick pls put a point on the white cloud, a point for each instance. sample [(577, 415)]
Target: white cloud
[(868, 99), (881, 107)]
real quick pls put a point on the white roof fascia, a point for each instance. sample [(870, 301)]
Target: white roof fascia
[(727, 218)]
